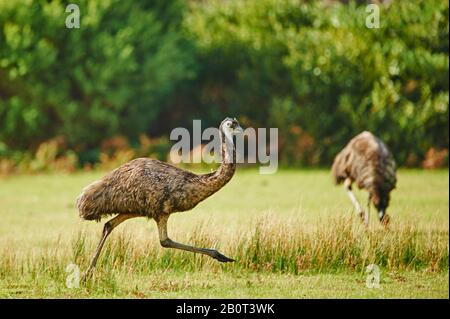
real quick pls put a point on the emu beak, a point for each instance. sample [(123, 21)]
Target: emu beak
[(238, 130)]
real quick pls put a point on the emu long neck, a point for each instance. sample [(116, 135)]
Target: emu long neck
[(228, 153), (220, 177)]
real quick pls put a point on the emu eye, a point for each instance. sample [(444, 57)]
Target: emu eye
[(228, 124)]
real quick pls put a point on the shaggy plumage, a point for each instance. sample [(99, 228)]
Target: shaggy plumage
[(150, 188), (368, 162)]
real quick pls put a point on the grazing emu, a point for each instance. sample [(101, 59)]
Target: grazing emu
[(368, 162), (150, 188)]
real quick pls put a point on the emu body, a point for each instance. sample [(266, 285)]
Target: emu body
[(367, 162), (150, 188)]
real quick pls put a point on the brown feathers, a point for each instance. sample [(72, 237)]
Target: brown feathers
[(368, 163), (153, 188)]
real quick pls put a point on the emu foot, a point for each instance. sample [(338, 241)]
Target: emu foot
[(363, 217), (221, 258), (385, 220), (86, 276)]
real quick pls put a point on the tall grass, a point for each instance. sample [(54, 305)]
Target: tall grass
[(271, 245)]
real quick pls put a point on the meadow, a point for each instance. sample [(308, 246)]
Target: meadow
[(293, 235)]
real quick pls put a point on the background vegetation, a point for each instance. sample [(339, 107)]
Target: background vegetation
[(115, 87), (112, 90), (306, 243)]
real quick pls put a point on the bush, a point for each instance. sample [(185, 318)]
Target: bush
[(316, 65), (312, 69), (113, 74)]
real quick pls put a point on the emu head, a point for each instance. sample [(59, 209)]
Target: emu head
[(230, 127)]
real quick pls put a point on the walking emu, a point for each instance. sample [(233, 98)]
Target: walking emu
[(368, 162), (150, 188)]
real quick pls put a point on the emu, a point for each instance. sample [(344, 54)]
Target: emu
[(150, 188), (367, 161)]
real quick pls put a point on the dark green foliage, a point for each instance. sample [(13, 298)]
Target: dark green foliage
[(113, 74), (312, 69), (317, 66)]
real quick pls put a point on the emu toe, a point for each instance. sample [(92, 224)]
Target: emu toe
[(86, 277), (222, 258), (385, 220), (362, 217)]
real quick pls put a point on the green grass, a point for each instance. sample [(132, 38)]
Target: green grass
[(207, 284), (293, 235)]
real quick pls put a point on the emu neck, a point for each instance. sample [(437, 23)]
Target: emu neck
[(228, 154), (220, 177)]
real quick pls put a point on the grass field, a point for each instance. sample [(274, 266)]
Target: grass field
[(293, 235)]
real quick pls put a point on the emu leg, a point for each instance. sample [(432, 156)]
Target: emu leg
[(168, 243), (359, 210), (107, 229)]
